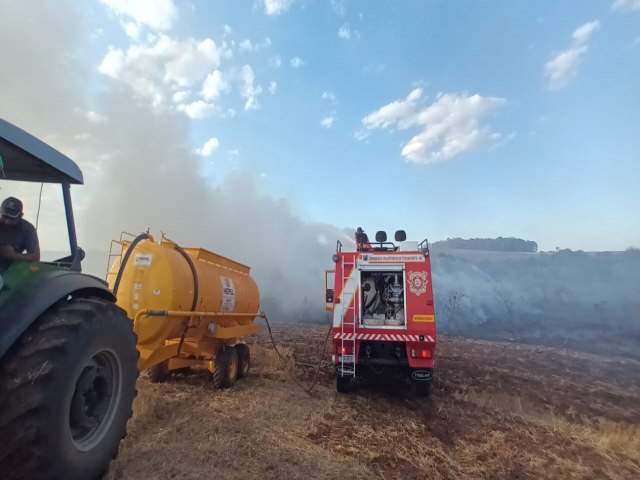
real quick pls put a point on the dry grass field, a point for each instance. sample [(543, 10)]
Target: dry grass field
[(496, 411)]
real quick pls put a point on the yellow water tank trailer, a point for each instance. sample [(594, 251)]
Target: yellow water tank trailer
[(189, 306)]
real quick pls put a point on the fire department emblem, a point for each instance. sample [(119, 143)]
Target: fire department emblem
[(418, 283)]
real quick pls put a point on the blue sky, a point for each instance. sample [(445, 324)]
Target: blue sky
[(447, 119)]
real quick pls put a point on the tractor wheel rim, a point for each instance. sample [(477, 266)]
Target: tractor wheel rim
[(95, 399)]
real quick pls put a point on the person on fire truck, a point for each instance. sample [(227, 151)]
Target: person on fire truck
[(362, 240)]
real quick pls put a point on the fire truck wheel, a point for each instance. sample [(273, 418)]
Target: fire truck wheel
[(244, 359), (343, 383), (226, 369), (421, 388)]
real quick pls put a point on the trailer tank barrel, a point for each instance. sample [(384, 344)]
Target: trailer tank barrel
[(159, 277)]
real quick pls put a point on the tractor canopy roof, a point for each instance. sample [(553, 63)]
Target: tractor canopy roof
[(25, 158)]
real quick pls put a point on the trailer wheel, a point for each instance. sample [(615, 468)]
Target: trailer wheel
[(343, 383), (226, 369), (159, 373), (67, 386), (244, 359), (420, 388)]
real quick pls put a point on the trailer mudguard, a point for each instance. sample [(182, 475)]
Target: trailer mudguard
[(38, 295)]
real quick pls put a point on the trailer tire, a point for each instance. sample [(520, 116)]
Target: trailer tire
[(159, 373), (67, 387), (343, 383), (225, 372), (244, 359)]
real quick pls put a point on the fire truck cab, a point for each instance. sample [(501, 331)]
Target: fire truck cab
[(381, 298)]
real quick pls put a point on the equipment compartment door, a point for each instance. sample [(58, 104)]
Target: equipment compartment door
[(382, 298), (329, 289)]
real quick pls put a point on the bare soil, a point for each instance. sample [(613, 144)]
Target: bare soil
[(496, 411)]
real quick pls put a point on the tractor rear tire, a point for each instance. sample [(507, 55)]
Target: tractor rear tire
[(66, 391), (244, 359), (226, 369)]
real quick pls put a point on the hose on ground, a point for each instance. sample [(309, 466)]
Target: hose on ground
[(319, 364)]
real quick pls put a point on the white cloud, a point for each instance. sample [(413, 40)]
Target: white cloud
[(451, 125), (273, 87), (155, 14), (227, 29), (626, 5), (296, 62), (330, 96), (276, 7), (564, 65), (560, 69), (583, 33), (346, 33), (265, 44), (180, 96), (158, 69), (132, 30), (95, 117), (247, 45), (275, 61), (196, 110), (401, 112), (189, 61), (112, 63), (247, 88), (183, 74), (327, 122), (225, 50), (212, 86), (209, 147)]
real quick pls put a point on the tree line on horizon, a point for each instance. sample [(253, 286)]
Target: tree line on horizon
[(500, 244)]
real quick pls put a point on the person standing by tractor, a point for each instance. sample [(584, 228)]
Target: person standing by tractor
[(18, 237)]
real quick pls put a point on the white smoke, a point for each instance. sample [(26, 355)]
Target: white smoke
[(140, 170)]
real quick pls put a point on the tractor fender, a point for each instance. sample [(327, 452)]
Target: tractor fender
[(40, 294)]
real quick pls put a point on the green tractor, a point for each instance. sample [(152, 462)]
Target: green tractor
[(67, 352)]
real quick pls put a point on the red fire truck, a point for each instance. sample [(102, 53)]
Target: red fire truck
[(381, 298)]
